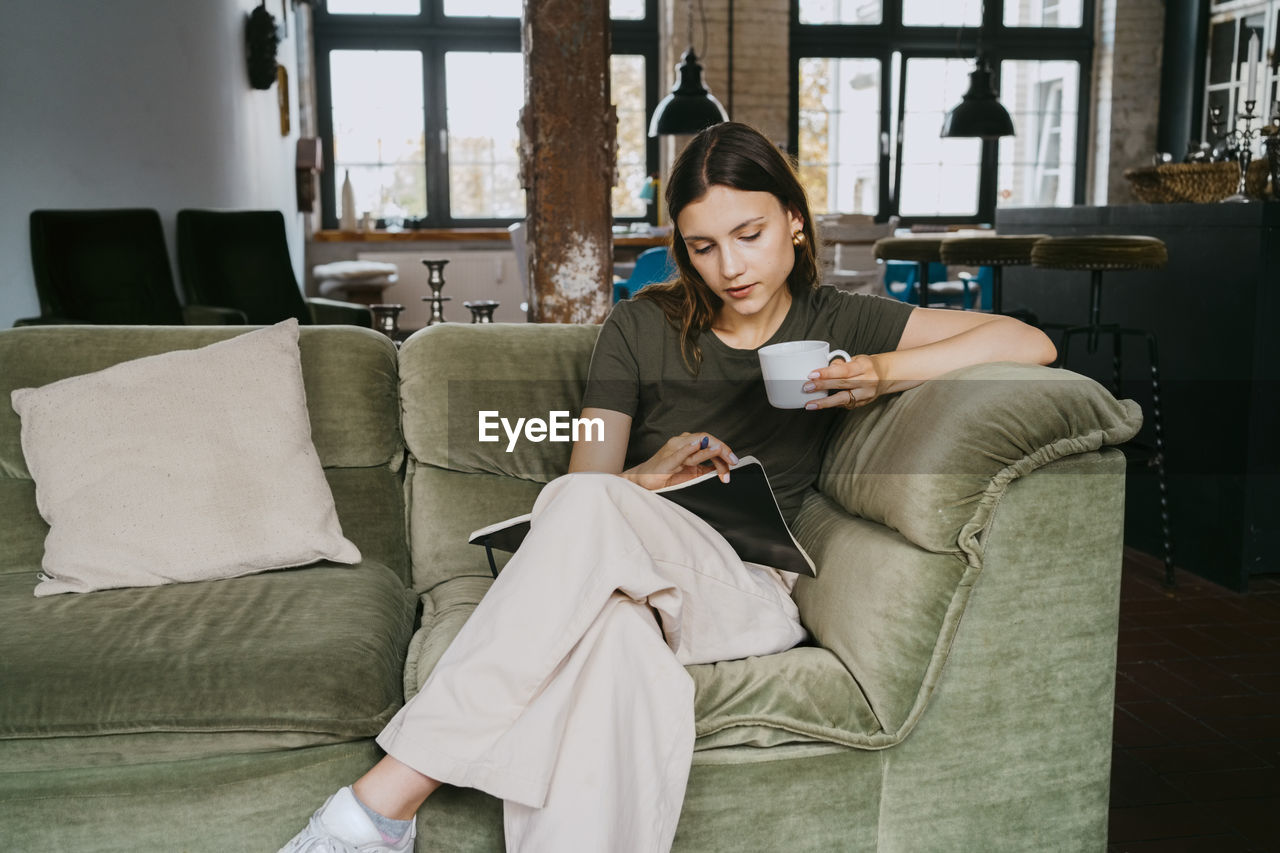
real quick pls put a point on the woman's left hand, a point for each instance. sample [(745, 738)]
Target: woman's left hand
[(856, 382)]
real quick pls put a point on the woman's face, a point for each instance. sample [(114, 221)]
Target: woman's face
[(740, 243)]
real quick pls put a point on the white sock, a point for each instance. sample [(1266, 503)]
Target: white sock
[(390, 828), (345, 817)]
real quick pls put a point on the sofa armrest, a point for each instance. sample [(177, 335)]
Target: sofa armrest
[(908, 491), (212, 315), (331, 312), (1018, 728)]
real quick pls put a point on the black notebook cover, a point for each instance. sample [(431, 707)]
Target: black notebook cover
[(743, 511)]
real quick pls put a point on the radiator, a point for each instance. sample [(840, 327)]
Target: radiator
[(469, 276)]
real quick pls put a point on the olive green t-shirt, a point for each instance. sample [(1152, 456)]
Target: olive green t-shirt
[(637, 369)]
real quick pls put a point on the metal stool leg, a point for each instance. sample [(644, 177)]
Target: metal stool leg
[(1117, 363), (1157, 423), (1157, 460), (922, 284), (1095, 308), (997, 290), (1064, 349)]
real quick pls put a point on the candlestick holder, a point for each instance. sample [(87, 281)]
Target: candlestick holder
[(435, 280), (1242, 142), (482, 310), (386, 318), (1221, 151), (1271, 147)]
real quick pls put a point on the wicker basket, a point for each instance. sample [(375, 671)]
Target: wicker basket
[(1195, 182)]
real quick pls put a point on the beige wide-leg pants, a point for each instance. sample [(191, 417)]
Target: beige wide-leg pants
[(562, 694)]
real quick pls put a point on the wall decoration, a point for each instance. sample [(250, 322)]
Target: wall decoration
[(282, 98), (262, 40)]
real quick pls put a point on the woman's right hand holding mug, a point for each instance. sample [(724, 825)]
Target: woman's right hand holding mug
[(682, 458)]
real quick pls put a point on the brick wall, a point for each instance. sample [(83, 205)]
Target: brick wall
[(761, 63), (1126, 94)]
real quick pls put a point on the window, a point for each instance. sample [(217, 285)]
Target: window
[(376, 109), (419, 102), (873, 80), (839, 133), (938, 177), (1038, 166), (1227, 74), (942, 13), (484, 143)]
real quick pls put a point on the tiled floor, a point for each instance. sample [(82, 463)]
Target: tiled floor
[(1196, 759)]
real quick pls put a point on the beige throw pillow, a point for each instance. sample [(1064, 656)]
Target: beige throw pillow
[(185, 466)]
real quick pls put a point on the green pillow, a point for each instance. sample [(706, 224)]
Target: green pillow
[(923, 462)]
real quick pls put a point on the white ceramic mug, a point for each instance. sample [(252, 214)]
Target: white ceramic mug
[(786, 368)]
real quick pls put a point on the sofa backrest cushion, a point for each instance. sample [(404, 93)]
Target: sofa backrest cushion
[(450, 374), (351, 383)]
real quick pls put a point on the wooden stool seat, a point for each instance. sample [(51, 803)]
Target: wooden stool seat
[(918, 249), (996, 251), (1100, 253)]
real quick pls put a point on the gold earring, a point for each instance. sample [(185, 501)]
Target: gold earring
[(797, 238)]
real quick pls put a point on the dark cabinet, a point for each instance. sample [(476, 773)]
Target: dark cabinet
[(1215, 310)]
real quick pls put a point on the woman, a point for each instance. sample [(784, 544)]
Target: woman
[(565, 692)]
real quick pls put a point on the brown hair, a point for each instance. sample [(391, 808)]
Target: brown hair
[(737, 156)]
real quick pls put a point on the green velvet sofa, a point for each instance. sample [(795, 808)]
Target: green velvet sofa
[(957, 694)]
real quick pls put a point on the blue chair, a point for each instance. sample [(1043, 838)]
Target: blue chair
[(652, 265), (968, 290)]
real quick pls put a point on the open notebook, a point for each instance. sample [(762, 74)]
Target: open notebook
[(742, 510)]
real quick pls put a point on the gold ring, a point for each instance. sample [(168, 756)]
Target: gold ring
[(852, 399)]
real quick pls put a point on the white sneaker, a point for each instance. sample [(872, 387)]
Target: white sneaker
[(342, 826)]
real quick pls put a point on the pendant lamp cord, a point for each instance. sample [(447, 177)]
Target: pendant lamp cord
[(702, 14)]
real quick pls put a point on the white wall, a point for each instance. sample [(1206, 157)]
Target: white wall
[(135, 103)]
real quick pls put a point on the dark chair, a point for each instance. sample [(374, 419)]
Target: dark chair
[(108, 266), (241, 259), (1099, 254)]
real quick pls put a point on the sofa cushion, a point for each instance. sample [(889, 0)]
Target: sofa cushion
[(183, 466), (297, 656), (802, 695), (931, 462), (879, 603), (447, 507)]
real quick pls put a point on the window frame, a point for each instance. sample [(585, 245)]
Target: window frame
[(999, 43), (433, 34)]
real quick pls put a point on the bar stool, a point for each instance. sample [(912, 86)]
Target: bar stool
[(922, 250), (996, 251), (1099, 254)]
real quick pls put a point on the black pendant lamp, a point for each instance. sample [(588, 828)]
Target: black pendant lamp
[(979, 113), (689, 107)]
